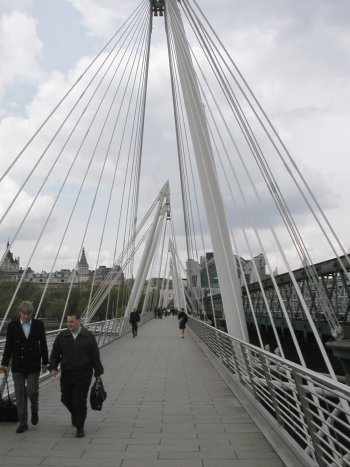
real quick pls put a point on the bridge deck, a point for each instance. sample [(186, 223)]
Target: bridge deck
[(167, 406)]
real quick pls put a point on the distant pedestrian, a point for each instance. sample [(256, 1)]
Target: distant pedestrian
[(26, 348), (77, 351), (134, 320), (183, 318)]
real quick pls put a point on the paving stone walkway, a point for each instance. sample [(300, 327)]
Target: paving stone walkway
[(166, 407)]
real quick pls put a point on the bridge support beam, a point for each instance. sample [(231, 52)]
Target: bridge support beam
[(224, 259), (148, 252)]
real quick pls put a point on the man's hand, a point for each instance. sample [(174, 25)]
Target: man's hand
[(53, 372), (44, 368), (3, 369)]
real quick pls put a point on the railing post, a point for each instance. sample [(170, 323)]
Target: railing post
[(272, 391), (307, 412)]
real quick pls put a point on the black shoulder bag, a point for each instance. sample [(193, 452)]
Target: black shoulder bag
[(97, 394)]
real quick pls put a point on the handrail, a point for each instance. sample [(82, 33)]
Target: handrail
[(311, 409)]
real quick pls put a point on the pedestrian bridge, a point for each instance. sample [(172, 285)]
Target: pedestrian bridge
[(173, 402), (167, 405)]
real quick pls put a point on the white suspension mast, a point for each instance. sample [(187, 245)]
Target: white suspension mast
[(153, 236), (224, 258)]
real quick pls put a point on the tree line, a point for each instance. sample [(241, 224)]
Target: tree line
[(54, 301)]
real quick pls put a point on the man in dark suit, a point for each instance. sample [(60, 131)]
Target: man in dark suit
[(76, 350), (27, 347)]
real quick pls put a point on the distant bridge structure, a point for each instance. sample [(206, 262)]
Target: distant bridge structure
[(335, 283)]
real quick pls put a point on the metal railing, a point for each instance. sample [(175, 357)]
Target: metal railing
[(311, 410), (105, 332)]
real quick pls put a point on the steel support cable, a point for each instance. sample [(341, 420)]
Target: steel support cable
[(180, 141), (130, 207), (250, 139), (127, 247), (297, 240), (240, 215), (176, 99), (249, 249), (143, 111), (208, 184), (135, 150), (203, 244), (294, 281), (301, 298), (123, 193), (55, 135), (296, 237), (104, 293), (178, 280), (84, 178), (287, 153), (261, 288), (188, 191), (57, 158), (161, 295), (196, 110), (252, 142), (251, 255), (181, 267), (42, 231), (273, 187), (157, 258), (107, 152), (173, 237), (183, 136), (119, 261), (136, 123), (179, 117), (129, 105), (68, 92), (247, 210)]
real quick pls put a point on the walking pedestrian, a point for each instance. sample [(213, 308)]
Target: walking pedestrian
[(77, 351), (134, 319), (183, 318), (26, 348)]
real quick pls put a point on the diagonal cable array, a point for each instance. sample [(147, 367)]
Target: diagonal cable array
[(83, 168), (263, 188)]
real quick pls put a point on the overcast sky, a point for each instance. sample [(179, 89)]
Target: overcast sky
[(294, 54)]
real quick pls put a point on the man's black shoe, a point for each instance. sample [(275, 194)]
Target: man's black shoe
[(22, 428), (80, 433), (35, 418)]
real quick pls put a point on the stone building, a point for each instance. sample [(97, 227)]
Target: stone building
[(9, 269)]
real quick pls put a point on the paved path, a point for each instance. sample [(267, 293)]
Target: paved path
[(166, 407)]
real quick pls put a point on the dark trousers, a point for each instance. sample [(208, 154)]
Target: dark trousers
[(74, 390), (134, 328), (26, 386)]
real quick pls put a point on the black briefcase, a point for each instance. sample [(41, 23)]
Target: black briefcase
[(8, 409), (97, 394)]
